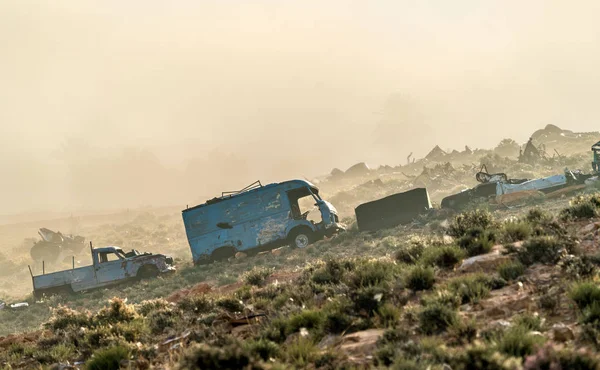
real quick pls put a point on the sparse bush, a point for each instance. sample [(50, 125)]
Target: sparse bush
[(257, 276), (578, 267), (514, 231), (332, 272), (446, 256), (388, 315), (538, 215), (108, 358), (549, 302), (582, 210), (585, 294), (477, 241), (411, 252), (148, 306), (420, 278), (435, 318), (443, 297), (160, 320), (309, 319), (511, 270), (463, 331), (591, 315), (263, 348), (552, 357), (529, 321), (371, 273), (202, 356), (301, 352), (196, 303), (470, 288), (117, 311), (518, 342), (337, 315), (480, 356), (540, 249), (64, 318), (469, 220), (368, 299), (230, 304)]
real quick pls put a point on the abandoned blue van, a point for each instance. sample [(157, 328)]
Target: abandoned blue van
[(259, 218)]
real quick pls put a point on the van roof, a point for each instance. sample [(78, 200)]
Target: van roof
[(298, 183)]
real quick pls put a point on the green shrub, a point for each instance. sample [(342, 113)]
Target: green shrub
[(202, 356), (470, 288), (435, 318), (583, 210), (309, 319), (538, 215), (410, 253), (230, 304), (463, 331), (263, 348), (108, 358), (444, 297), (479, 356), (477, 241), (518, 342), (540, 249), (301, 352), (446, 256), (337, 315), (511, 270), (63, 318), (469, 220), (514, 231), (196, 303), (388, 315), (529, 321), (148, 306), (117, 311), (591, 315), (578, 267), (160, 320), (419, 278), (371, 273), (550, 357), (257, 276), (367, 300), (585, 294)]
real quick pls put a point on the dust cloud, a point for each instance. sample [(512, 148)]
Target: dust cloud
[(112, 103)]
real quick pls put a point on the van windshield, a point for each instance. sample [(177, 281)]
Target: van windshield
[(302, 202)]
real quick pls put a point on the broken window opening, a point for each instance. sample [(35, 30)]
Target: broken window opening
[(302, 202)]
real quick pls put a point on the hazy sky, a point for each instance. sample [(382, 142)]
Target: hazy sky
[(277, 88)]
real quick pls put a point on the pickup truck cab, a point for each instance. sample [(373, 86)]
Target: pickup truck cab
[(110, 266), (259, 218)]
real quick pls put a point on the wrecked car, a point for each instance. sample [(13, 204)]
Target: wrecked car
[(393, 210), (497, 186), (258, 217), (54, 244), (110, 266)]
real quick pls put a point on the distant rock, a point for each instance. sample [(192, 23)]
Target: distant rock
[(337, 172), (358, 169), (436, 153)]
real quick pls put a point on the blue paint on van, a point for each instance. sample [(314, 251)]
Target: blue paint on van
[(257, 217)]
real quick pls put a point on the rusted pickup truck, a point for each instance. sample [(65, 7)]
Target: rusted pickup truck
[(110, 266)]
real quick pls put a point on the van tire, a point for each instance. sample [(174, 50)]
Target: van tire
[(223, 253), (301, 237), (147, 272)]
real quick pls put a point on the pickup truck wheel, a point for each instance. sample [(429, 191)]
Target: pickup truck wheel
[(148, 272), (301, 238)]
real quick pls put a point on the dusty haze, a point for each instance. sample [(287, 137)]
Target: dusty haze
[(112, 103)]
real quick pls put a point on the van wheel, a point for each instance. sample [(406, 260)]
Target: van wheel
[(301, 238)]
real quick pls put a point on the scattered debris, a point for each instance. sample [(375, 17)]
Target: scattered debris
[(55, 244)]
